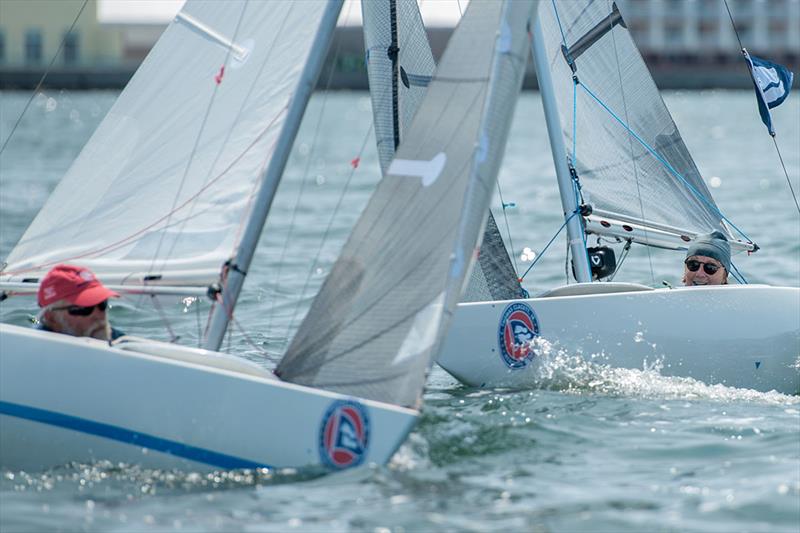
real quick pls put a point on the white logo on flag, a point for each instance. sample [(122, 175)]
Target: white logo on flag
[(769, 82)]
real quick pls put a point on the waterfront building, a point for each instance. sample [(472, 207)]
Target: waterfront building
[(686, 43)]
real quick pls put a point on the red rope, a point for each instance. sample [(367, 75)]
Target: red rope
[(128, 239)]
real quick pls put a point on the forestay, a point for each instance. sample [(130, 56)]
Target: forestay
[(619, 175), (160, 191), (400, 65), (379, 317)]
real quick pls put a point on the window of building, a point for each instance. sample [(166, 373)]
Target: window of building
[(70, 48), (673, 34), (33, 46), (778, 33)]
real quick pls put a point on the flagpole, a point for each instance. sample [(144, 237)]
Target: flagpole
[(755, 83)]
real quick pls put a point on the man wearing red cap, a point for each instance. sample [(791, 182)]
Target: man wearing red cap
[(74, 302)]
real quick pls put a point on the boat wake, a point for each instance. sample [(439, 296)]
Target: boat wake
[(560, 370)]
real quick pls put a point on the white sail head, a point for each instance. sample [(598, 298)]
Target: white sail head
[(366, 333), (618, 168), (160, 191)]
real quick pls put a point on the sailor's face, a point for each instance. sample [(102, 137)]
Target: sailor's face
[(700, 275), (94, 324)]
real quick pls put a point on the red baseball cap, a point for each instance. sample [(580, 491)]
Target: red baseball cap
[(75, 284)]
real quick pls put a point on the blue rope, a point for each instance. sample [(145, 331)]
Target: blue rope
[(738, 275), (665, 162), (564, 225)]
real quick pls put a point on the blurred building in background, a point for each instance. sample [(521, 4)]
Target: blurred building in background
[(686, 43)]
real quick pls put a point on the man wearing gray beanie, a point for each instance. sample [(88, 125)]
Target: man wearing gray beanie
[(708, 260)]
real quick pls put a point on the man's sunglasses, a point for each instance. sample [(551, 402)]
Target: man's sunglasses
[(708, 268), (76, 310)]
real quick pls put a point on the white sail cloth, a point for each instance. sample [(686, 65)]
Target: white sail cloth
[(618, 173), (400, 65), (379, 318), (160, 191)]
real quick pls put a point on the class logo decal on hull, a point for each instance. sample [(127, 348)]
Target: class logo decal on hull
[(344, 434), (518, 327)]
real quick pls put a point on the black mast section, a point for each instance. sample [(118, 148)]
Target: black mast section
[(393, 53)]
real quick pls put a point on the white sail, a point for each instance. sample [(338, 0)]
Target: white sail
[(380, 315), (160, 192), (630, 158), (400, 65)]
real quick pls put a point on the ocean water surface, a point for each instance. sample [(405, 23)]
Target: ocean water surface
[(592, 449)]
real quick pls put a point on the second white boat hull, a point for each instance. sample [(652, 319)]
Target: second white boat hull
[(743, 336)]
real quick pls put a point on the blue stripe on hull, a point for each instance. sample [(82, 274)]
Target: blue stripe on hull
[(127, 436)]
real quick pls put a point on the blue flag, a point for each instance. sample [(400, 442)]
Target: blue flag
[(772, 85)]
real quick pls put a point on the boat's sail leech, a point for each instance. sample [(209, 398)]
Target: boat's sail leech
[(373, 328), (400, 65)]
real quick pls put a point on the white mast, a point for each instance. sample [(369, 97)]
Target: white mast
[(238, 268), (580, 259)]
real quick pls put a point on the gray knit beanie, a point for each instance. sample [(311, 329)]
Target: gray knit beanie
[(713, 245)]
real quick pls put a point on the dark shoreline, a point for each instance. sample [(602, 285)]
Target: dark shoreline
[(672, 77)]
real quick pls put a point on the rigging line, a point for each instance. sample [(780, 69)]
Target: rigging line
[(44, 76), (665, 163), (157, 305), (304, 180), (735, 29), (225, 63), (630, 147), (192, 154), (738, 275), (752, 77), (252, 343), (560, 28), (199, 323), (428, 256), (564, 225), (228, 134), (122, 242), (452, 135), (625, 250), (324, 240), (508, 229), (788, 180), (579, 202)]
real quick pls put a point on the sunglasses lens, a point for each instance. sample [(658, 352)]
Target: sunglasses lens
[(693, 266), (86, 311)]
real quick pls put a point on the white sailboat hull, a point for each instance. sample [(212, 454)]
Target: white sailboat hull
[(159, 405), (743, 336)]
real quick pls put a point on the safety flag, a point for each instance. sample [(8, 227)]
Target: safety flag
[(772, 84)]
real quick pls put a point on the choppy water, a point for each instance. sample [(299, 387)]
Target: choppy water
[(595, 449)]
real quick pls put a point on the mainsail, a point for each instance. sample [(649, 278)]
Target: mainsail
[(159, 193), (400, 65), (628, 154), (378, 319)]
